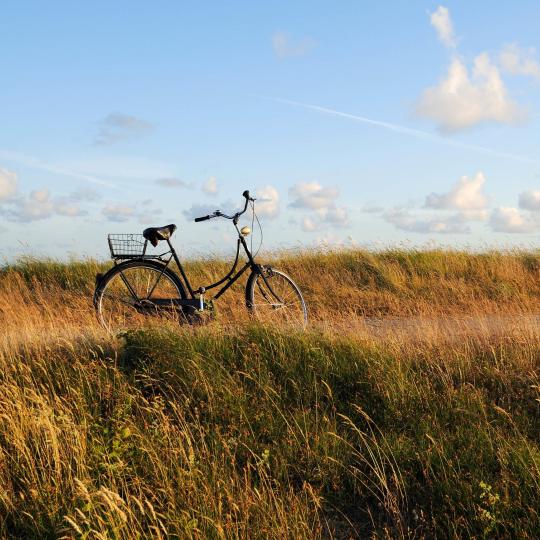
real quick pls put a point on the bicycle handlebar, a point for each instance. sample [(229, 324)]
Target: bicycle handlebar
[(218, 213)]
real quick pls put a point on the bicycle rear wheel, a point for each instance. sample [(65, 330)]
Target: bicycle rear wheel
[(138, 294), (274, 297)]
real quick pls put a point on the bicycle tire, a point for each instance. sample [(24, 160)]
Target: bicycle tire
[(271, 305), (175, 287)]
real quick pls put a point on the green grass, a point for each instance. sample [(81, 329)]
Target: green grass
[(249, 432), (324, 435)]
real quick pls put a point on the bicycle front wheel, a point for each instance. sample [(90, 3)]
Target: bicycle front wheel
[(272, 296), (138, 294)]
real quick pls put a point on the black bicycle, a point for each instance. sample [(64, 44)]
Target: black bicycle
[(141, 286)]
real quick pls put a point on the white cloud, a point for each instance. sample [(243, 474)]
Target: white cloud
[(39, 205), (511, 220), (8, 184), (148, 216), (210, 187), (312, 195), (464, 203), (517, 61), (267, 203), (461, 101), (65, 208), (118, 127), (441, 21), (322, 201), (372, 209), (284, 46), (118, 212), (466, 195), (85, 194), (310, 225), (530, 200), (198, 210), (406, 221), (141, 212), (336, 215)]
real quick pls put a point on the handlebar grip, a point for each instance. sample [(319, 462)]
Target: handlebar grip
[(203, 218), (246, 194)]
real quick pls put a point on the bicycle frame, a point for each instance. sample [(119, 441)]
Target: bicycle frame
[(227, 281), (198, 301)]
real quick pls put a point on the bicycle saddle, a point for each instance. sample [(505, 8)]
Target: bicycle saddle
[(155, 234)]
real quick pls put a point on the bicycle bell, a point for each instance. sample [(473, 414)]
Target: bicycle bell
[(245, 231)]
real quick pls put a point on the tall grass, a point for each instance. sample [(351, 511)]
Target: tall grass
[(242, 431)]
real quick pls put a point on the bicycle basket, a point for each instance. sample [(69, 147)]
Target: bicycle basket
[(127, 246)]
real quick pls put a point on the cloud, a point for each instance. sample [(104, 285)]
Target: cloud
[(466, 195), (174, 183), (517, 61), (284, 46), (336, 215), (84, 194), (530, 200), (372, 209), (322, 201), (511, 220), (119, 127), (463, 203), (148, 216), (35, 206), (210, 187), (309, 225), (461, 101), (312, 195), (39, 205), (441, 21), (199, 210), (406, 221), (267, 203), (65, 208), (8, 184), (526, 219), (118, 212)]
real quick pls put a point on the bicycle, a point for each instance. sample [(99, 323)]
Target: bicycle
[(142, 286)]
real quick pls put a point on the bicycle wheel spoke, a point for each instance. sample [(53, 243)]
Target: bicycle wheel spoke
[(129, 302), (147, 286), (128, 286), (276, 298)]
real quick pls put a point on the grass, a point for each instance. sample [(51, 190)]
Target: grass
[(241, 431)]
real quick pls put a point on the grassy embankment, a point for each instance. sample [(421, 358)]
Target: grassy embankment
[(241, 431)]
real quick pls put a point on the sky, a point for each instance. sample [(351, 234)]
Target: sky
[(353, 123)]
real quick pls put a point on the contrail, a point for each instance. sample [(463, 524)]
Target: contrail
[(419, 134), (43, 166)]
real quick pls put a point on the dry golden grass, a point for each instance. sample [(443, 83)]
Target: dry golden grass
[(410, 408)]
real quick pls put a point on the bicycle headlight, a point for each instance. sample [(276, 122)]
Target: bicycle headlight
[(245, 231)]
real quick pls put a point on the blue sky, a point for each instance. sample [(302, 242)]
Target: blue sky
[(374, 124)]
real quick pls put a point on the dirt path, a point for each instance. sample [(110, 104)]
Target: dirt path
[(453, 327)]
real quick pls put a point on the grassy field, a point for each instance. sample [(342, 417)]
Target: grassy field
[(401, 427)]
